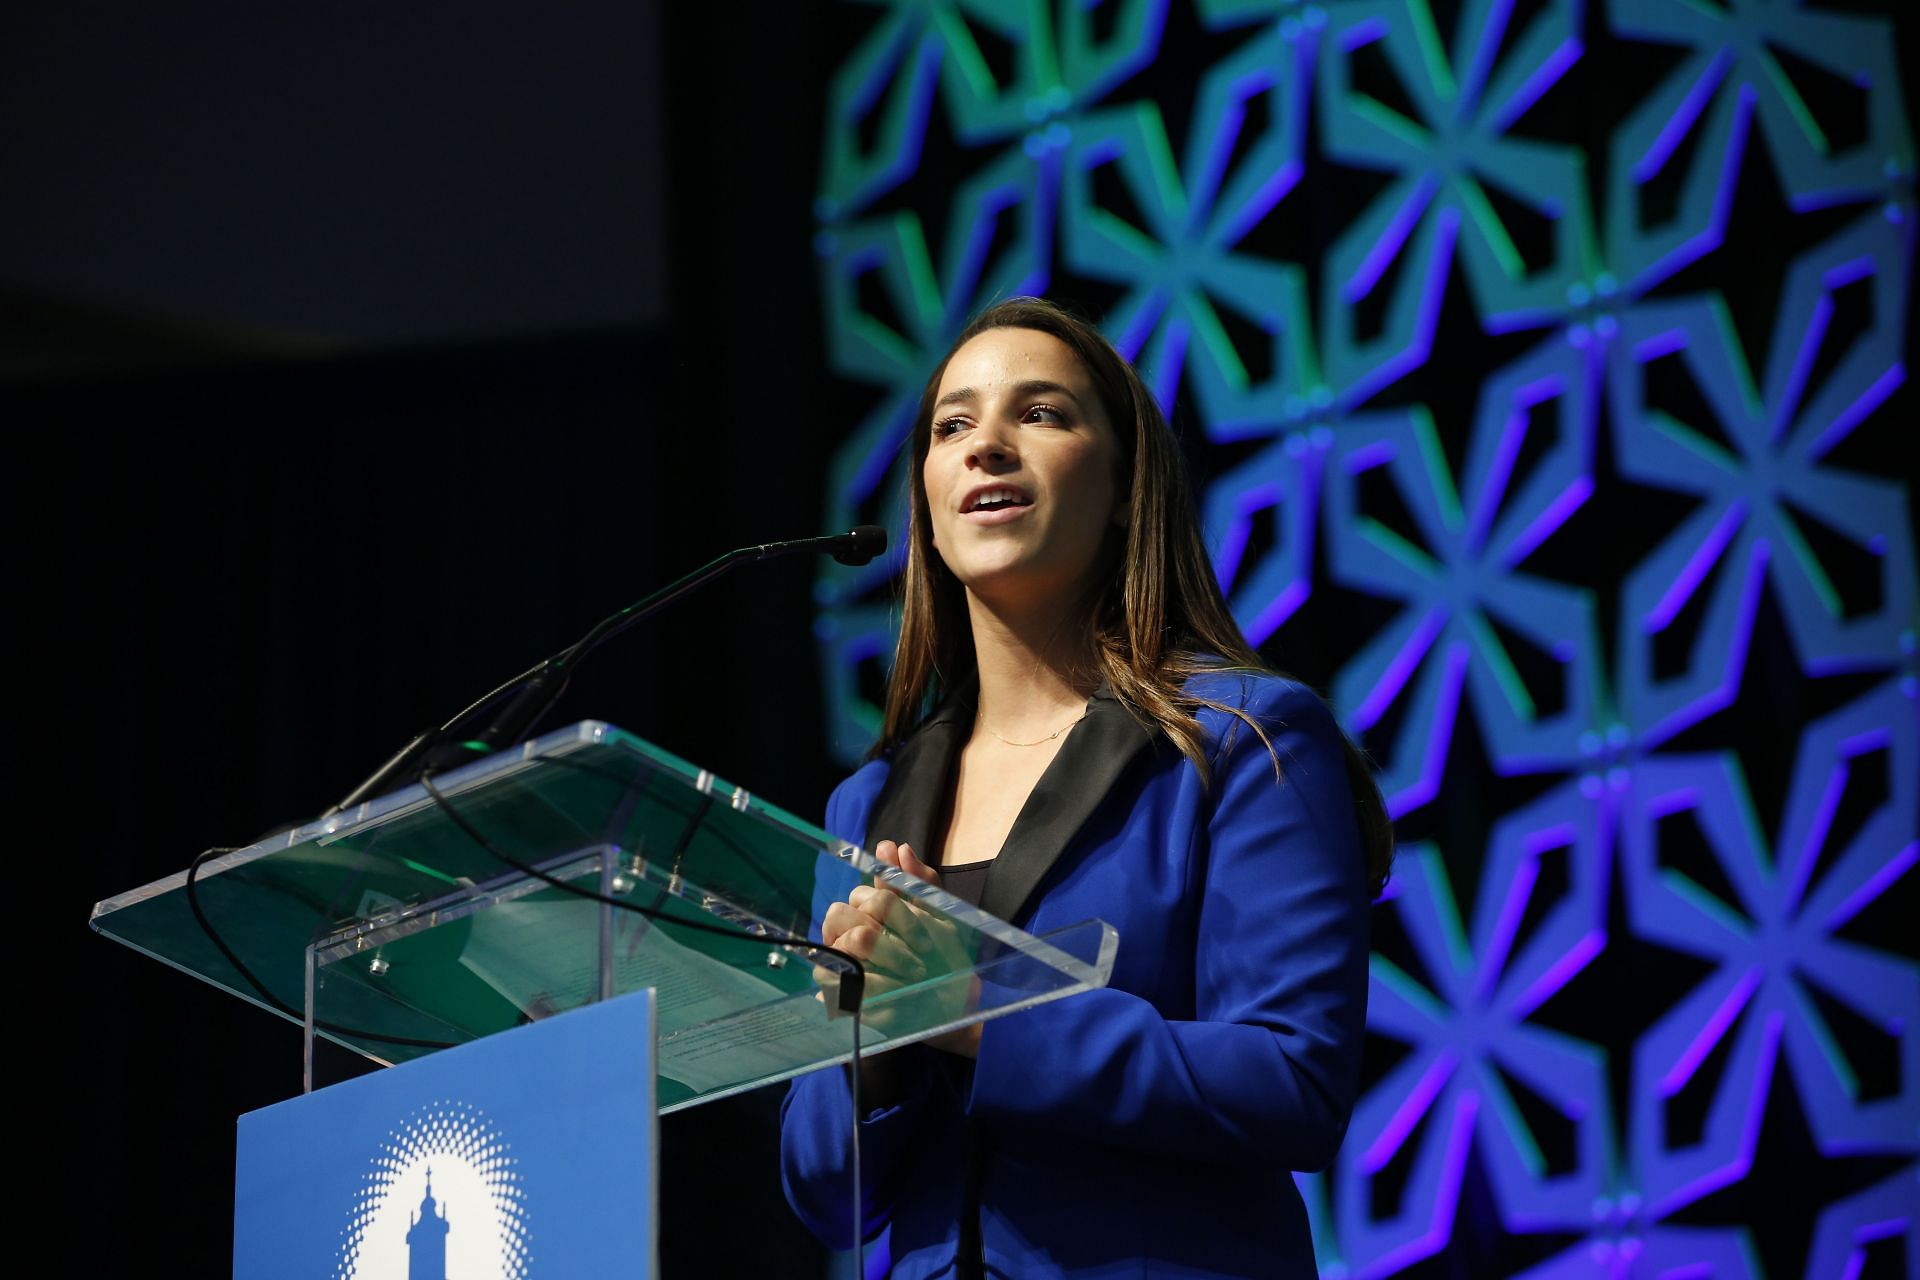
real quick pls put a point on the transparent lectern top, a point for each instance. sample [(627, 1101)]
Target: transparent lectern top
[(407, 931)]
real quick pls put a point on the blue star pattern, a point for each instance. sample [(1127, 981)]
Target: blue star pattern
[(1180, 267), (1644, 540), (1732, 74), (1883, 1212), (1460, 578), (887, 86), (1472, 1043), (1467, 100), (1773, 945), (1761, 487), (1284, 479)]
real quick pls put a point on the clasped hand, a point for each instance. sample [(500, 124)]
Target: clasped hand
[(898, 942)]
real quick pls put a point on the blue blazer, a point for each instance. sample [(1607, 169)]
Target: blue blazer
[(1150, 1128)]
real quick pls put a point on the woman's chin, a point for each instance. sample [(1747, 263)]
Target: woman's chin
[(996, 580), (1020, 588)]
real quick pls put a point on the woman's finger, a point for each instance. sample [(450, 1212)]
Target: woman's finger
[(910, 863), (897, 914), (859, 941), (874, 900), (883, 953), (836, 922), (839, 919)]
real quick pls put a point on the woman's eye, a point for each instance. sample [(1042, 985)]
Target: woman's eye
[(947, 427), (1045, 413)]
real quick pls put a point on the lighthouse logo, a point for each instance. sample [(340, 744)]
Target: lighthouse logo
[(442, 1198)]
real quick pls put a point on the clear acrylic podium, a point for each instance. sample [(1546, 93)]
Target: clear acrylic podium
[(398, 931)]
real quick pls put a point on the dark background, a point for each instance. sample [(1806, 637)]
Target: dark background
[(355, 357)]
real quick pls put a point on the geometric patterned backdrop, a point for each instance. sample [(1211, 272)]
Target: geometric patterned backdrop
[(1542, 372)]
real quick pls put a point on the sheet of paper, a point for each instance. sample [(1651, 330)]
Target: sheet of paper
[(544, 957), (763, 1042)]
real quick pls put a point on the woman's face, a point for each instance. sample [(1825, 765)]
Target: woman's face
[(1020, 469)]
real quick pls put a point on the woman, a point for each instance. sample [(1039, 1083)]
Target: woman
[(1104, 744)]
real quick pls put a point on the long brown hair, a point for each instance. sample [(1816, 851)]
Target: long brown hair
[(1156, 616)]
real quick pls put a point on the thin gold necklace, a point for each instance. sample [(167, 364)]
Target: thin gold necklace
[(1037, 741)]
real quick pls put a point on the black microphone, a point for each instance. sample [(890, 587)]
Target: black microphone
[(860, 545), (538, 688)]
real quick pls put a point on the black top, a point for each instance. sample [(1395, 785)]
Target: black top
[(966, 881)]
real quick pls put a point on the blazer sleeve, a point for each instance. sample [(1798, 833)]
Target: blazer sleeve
[(816, 1166), (1268, 1068)]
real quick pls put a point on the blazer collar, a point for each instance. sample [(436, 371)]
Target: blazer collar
[(1091, 760), (915, 794)]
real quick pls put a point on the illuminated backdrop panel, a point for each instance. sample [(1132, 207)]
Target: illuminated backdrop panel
[(1542, 369)]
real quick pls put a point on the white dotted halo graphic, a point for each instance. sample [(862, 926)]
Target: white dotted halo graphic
[(476, 1186)]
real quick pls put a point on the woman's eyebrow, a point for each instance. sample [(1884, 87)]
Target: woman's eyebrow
[(1033, 387)]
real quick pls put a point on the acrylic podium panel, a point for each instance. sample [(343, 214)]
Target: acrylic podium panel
[(402, 932)]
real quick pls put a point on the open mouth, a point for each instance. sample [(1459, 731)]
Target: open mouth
[(1002, 498)]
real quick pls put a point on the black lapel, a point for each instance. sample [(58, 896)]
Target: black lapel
[(1091, 760), (915, 793)]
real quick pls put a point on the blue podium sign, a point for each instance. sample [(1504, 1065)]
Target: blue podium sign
[(528, 1151)]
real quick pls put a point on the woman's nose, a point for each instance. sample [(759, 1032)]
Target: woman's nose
[(990, 446)]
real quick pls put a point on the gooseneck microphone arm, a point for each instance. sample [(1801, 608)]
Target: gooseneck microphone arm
[(529, 694), (549, 680)]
